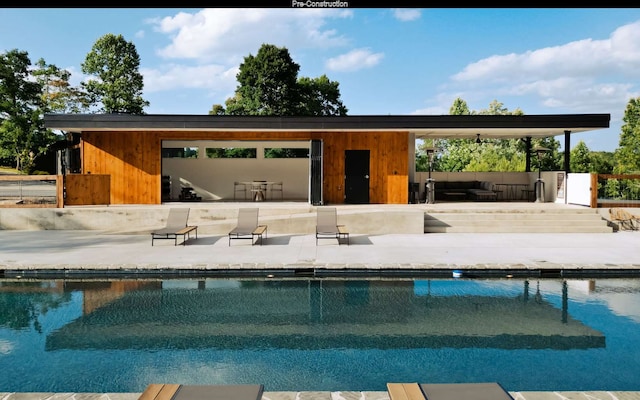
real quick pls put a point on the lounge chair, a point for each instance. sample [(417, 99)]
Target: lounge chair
[(248, 227), (327, 225), (624, 218), (447, 391), (156, 391), (176, 226)]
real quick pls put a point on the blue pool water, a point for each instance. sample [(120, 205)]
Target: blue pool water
[(319, 335)]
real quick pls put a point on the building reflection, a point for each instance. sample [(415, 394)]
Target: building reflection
[(314, 314)]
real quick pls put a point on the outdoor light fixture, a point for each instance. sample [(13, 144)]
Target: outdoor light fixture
[(539, 186), (540, 151), (430, 154), (430, 185), (478, 141)]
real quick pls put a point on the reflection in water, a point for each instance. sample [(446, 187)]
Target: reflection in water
[(281, 332)]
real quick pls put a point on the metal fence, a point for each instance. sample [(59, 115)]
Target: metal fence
[(30, 190)]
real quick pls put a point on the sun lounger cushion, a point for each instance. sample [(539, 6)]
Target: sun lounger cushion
[(469, 391), (202, 392), (447, 391)]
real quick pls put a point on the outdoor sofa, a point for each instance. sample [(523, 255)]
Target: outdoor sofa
[(465, 190)]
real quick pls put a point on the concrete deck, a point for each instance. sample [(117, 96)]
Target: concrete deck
[(24, 252)]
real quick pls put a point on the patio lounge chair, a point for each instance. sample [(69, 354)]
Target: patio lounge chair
[(624, 218), (327, 225), (156, 391), (176, 226), (447, 391), (247, 227)]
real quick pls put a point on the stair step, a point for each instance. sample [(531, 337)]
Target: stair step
[(516, 221)]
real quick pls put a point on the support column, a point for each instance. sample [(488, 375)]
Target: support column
[(527, 146), (567, 152)]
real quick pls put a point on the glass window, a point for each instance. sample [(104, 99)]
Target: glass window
[(231, 152), (279, 152), (180, 152)]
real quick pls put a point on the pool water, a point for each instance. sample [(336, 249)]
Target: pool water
[(319, 334)]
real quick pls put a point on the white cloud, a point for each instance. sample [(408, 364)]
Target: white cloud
[(216, 78), (354, 60), (406, 14), (225, 35), (581, 76)]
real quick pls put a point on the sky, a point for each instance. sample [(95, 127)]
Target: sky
[(406, 61)]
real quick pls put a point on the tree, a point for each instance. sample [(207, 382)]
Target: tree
[(22, 134), (491, 155), (58, 95), (269, 85), (114, 62), (320, 97), (602, 162), (628, 153), (217, 109), (580, 158)]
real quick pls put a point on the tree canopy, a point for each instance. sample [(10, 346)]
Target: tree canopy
[(23, 137), (628, 152), (117, 83), (269, 85)]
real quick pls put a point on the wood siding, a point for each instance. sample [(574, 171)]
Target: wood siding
[(133, 160), (84, 190)]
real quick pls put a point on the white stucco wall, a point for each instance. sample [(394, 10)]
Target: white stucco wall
[(213, 178)]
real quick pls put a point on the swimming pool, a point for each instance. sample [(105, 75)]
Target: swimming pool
[(319, 334)]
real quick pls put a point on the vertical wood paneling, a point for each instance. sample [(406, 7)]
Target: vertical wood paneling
[(132, 159)]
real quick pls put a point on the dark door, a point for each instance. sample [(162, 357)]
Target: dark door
[(356, 176)]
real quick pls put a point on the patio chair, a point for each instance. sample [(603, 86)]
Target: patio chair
[(248, 227), (239, 187), (175, 226), (277, 187), (327, 225), (447, 391), (624, 218), (158, 391)]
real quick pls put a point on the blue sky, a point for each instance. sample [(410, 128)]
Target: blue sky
[(387, 61)]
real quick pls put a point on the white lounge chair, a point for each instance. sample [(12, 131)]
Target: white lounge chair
[(327, 225), (175, 226), (248, 227)]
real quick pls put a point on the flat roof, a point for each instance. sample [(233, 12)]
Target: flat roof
[(423, 126)]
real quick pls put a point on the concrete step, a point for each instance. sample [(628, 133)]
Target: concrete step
[(516, 221)]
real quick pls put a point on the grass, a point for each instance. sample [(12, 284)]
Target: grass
[(8, 170)]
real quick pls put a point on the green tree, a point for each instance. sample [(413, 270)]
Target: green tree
[(58, 95), (602, 162), (628, 153), (118, 84), (217, 109), (23, 137), (581, 158), (269, 85), (320, 97), (491, 154), (452, 154)]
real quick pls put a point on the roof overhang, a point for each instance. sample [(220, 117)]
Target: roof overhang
[(423, 126)]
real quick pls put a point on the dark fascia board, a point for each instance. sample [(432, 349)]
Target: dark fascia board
[(88, 122)]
